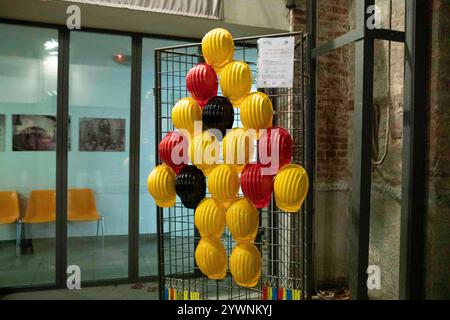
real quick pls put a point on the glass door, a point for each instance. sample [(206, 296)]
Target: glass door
[(148, 257), (28, 100), (98, 169)]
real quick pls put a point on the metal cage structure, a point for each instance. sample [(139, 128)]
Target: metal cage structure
[(283, 238)]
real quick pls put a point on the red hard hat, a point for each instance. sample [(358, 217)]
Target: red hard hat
[(173, 150), (256, 186), (275, 148), (201, 81)]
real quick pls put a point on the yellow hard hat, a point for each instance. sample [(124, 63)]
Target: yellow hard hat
[(211, 258), (245, 264), (291, 187), (243, 220), (204, 152), (218, 48), (209, 218), (161, 186), (238, 147), (236, 81), (185, 112), (257, 111), (223, 183)]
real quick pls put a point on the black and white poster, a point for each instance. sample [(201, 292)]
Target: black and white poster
[(102, 134), (34, 132)]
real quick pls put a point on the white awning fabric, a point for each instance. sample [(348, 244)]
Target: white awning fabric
[(211, 9)]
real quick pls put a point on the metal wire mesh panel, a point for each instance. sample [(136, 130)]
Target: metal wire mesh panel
[(280, 238)]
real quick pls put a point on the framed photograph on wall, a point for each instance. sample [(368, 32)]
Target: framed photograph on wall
[(102, 134), (2, 132), (34, 132)]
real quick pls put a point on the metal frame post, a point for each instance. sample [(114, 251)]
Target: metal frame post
[(159, 211), (62, 134), (310, 153), (359, 216), (135, 134), (412, 234)]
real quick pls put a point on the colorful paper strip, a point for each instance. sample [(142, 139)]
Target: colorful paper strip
[(274, 294), (264, 293)]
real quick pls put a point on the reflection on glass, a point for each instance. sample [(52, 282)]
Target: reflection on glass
[(148, 259), (28, 83), (99, 108)]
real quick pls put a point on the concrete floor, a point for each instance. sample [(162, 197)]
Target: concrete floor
[(95, 261), (108, 262), (148, 291)]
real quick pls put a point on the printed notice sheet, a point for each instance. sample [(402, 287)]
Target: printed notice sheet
[(276, 62)]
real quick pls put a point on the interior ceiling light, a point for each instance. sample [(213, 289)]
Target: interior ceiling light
[(120, 58), (51, 44)]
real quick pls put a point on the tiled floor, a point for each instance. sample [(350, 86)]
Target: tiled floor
[(95, 261), (109, 262)]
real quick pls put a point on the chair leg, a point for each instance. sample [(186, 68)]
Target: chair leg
[(98, 226), (18, 237), (103, 232)]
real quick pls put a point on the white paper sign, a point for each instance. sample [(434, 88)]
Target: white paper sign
[(276, 62)]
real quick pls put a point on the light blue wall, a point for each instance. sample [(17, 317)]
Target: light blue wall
[(147, 205), (27, 86), (99, 87)]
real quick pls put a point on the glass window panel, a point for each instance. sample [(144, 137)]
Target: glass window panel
[(98, 182), (28, 84), (148, 259)]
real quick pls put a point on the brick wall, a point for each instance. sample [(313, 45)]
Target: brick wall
[(298, 17), (333, 98)]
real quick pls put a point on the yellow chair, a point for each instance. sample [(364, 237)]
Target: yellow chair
[(41, 208), (10, 212), (82, 208)]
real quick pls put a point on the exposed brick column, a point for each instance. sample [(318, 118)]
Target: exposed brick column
[(333, 96), (298, 18), (332, 93), (333, 125)]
